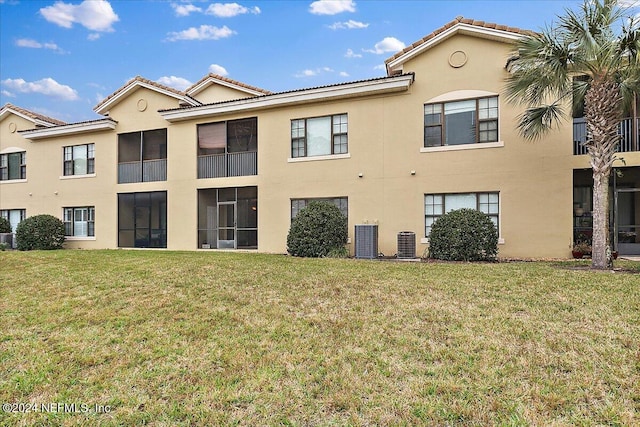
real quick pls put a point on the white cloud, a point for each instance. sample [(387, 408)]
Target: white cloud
[(46, 86), (348, 25), (94, 15), (93, 36), (229, 10), (351, 54), (380, 67), (388, 44), (175, 82), (312, 73), (344, 74), (218, 69), (34, 44), (185, 9), (307, 73), (332, 7), (203, 32), (7, 93)]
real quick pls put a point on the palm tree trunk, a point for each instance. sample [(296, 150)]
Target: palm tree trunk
[(602, 114), (600, 249)]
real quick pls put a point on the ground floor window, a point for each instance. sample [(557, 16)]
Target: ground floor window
[(436, 205), (14, 216), (79, 222), (341, 203), (142, 220), (228, 218)]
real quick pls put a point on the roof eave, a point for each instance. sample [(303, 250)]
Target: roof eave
[(34, 120), (68, 130), (199, 87), (327, 93), (459, 28), (106, 106)]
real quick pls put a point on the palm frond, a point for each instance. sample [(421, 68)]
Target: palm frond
[(535, 122), (540, 70)]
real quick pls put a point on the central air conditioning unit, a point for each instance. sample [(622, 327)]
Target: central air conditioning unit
[(366, 241), (8, 240), (406, 245)]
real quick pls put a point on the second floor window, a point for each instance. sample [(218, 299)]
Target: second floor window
[(319, 136), (228, 148), (142, 156), (13, 166), (79, 159), (461, 122)]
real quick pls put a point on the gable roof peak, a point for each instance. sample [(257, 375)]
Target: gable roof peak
[(458, 25), (139, 81), (217, 78), (36, 118)]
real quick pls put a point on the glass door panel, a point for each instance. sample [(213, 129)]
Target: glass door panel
[(227, 225), (628, 221)]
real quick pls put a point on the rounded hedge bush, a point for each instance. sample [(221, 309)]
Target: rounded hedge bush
[(40, 232), (5, 225), (318, 230), (463, 235)]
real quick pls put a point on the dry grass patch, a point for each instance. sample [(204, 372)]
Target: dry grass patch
[(177, 338)]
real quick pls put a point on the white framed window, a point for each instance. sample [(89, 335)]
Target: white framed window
[(319, 136), (79, 221), (13, 166), (341, 203), (14, 216), (461, 122), (79, 159), (436, 205)]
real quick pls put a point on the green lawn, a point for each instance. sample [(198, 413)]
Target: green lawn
[(185, 338)]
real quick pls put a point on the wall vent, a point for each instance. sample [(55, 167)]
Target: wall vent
[(406, 244), (366, 241)]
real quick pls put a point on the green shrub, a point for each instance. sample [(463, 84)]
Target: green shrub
[(5, 226), (318, 230), (40, 232), (463, 235)]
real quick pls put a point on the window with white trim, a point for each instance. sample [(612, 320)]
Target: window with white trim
[(436, 205), (319, 136), (461, 122), (14, 216), (13, 166), (79, 221), (341, 203), (79, 159)]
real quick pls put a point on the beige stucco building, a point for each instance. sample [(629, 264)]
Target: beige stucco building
[(227, 165)]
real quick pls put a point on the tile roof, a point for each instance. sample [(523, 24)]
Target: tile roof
[(33, 115), (270, 94), (225, 79), (141, 80), (458, 20)]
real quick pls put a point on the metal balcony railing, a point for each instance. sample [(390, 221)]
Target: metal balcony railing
[(145, 171), (629, 135), (228, 164)]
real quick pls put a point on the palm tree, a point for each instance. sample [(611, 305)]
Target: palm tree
[(587, 59)]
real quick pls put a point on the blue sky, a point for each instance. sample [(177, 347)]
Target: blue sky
[(60, 58)]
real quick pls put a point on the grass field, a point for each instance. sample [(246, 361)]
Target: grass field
[(185, 338)]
